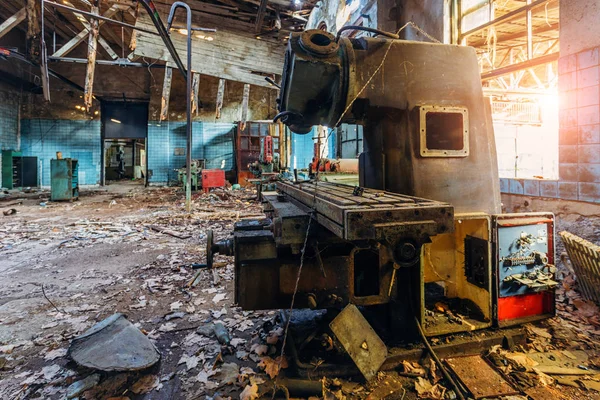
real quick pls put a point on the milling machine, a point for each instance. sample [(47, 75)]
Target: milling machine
[(422, 236)]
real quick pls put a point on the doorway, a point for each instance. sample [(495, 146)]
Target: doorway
[(125, 159), (124, 137)]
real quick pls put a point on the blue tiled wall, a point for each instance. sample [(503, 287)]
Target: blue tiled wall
[(9, 125), (78, 139), (212, 142), (302, 149)]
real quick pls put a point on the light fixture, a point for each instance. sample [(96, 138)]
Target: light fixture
[(78, 107), (200, 36), (209, 38), (183, 31), (258, 37), (116, 121), (96, 112)]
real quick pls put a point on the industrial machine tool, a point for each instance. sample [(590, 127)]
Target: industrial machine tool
[(422, 235), (196, 168)]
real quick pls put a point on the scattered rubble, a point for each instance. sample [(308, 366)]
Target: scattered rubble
[(95, 261)]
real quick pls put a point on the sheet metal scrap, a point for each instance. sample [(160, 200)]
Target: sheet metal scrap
[(360, 341), (479, 377), (114, 344)]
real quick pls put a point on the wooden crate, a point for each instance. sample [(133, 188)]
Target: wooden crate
[(585, 258)]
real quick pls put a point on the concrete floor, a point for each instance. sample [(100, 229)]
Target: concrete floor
[(99, 255)]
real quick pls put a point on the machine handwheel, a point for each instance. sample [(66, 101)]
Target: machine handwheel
[(209, 248)]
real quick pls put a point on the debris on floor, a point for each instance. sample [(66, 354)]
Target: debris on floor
[(116, 277), (113, 344)]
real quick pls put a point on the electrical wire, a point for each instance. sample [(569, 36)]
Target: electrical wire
[(366, 29), (441, 366)]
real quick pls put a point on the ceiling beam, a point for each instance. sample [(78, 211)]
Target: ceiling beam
[(13, 21), (520, 66), (260, 16)]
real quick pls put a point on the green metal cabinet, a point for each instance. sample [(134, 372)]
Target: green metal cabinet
[(64, 179), (8, 157)]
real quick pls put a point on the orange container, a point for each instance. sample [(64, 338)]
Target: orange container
[(212, 178)]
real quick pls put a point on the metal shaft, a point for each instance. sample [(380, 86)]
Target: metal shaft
[(188, 81)]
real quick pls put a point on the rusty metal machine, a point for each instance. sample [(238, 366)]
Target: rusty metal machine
[(422, 235)]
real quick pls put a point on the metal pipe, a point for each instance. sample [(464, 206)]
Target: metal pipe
[(96, 16), (195, 29), (164, 33), (520, 66), (188, 166), (529, 32), (120, 62)]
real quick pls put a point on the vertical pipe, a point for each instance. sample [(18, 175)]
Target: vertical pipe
[(188, 166), (529, 33), (188, 81)]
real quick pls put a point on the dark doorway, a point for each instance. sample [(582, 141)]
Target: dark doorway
[(124, 138)]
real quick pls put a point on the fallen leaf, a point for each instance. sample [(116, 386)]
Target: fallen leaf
[(428, 391), (250, 392), (259, 349), (176, 305), (54, 354), (50, 371), (235, 342), (169, 326), (218, 297), (203, 376), (272, 366), (145, 384), (190, 362), (229, 373)]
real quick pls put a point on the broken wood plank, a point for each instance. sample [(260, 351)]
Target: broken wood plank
[(220, 96), (34, 28), (133, 41), (260, 16), (227, 55), (245, 99), (195, 93), (13, 21), (80, 37), (92, 52), (169, 232), (166, 93)]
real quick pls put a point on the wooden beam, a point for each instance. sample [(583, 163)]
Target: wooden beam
[(220, 96), (80, 37), (133, 41), (195, 93), (13, 21), (166, 93), (228, 55), (34, 29), (245, 100), (260, 16), (92, 52)]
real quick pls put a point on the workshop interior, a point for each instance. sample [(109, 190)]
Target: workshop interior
[(333, 199)]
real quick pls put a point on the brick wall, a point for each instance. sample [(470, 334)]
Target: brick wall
[(78, 139), (579, 134)]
